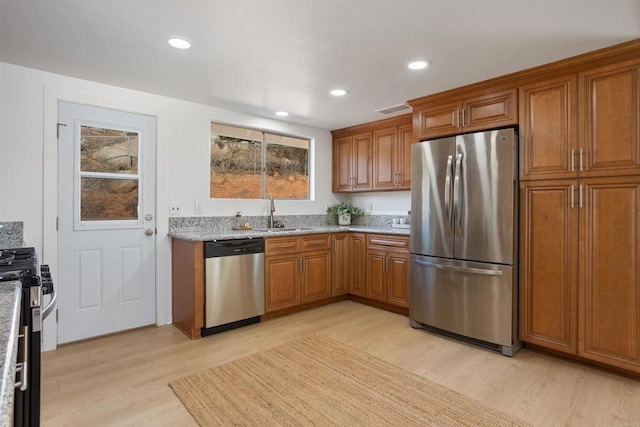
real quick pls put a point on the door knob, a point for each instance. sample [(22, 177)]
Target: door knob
[(148, 232)]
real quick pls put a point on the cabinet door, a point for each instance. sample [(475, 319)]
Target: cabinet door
[(548, 129), (376, 275), (342, 163), (405, 139), (490, 111), (361, 163), (439, 120), (315, 283), (340, 264), (548, 264), (609, 276), (357, 264), (385, 158), (398, 279), (281, 282), (610, 120)]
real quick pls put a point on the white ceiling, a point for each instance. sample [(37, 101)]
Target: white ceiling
[(259, 56)]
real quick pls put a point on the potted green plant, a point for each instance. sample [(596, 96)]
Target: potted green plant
[(344, 212)]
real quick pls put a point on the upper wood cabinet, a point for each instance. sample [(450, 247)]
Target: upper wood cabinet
[(392, 158), (548, 129), (352, 155), (609, 115), (385, 158), (582, 125), (374, 156), (405, 140), (464, 114)]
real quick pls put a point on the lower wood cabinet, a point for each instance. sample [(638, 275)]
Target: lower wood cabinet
[(580, 275), (348, 264), (549, 264), (387, 269), (357, 245), (297, 270), (340, 264), (281, 281), (187, 286), (314, 267)]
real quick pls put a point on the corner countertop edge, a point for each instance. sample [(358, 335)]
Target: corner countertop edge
[(10, 301)]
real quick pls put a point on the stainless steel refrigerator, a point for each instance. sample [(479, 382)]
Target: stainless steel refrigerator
[(464, 274)]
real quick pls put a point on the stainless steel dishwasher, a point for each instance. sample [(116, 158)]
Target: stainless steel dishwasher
[(234, 284)]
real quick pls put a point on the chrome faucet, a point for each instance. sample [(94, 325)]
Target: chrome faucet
[(272, 209)]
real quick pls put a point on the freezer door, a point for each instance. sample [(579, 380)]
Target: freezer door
[(431, 197), (484, 196), (472, 299)]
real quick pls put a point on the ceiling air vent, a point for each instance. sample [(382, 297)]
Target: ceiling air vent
[(393, 109)]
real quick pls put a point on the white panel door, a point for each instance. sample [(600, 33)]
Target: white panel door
[(106, 228)]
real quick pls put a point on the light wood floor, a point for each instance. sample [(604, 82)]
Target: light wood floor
[(122, 379)]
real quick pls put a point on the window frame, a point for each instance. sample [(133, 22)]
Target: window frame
[(104, 224)]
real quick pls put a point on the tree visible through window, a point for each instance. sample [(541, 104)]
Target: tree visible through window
[(250, 164)]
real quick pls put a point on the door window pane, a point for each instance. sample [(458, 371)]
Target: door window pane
[(108, 150), (108, 199)]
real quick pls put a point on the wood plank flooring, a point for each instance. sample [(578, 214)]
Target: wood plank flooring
[(122, 379)]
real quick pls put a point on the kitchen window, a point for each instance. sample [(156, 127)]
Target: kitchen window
[(251, 164)]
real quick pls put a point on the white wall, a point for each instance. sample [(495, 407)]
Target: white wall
[(28, 161), (383, 203)]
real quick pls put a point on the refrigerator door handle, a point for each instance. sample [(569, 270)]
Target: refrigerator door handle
[(459, 269), (457, 195), (447, 194)]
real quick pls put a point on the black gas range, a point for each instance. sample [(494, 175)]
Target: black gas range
[(21, 265)]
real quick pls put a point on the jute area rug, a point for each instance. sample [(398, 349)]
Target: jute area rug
[(316, 381)]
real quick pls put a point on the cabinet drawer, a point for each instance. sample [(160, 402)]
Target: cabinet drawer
[(315, 242), (281, 245), (386, 242)]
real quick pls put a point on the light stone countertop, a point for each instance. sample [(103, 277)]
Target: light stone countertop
[(208, 235), (10, 299)]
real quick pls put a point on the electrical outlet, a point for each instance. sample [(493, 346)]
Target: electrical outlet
[(174, 209), (370, 208), (197, 208)]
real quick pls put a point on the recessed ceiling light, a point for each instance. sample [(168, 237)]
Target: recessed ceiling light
[(418, 65), (338, 92), (282, 113), (179, 43)]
